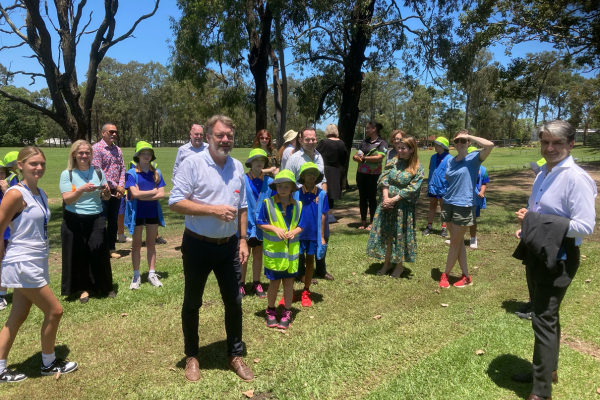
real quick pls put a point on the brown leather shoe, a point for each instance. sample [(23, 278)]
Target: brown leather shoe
[(328, 277), (237, 365), (536, 397), (527, 377), (313, 281), (192, 369)]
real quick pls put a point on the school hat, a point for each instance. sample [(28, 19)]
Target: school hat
[(10, 159), (471, 149), (289, 135), (442, 141), (254, 154), (141, 145), (305, 167), (284, 176)]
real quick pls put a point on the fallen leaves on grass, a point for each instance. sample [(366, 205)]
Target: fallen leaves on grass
[(150, 351), (172, 369), (312, 316), (436, 291), (444, 305), (123, 280), (493, 251), (284, 331), (354, 273), (57, 374), (588, 280), (377, 316), (124, 314), (479, 352), (598, 390), (475, 267), (249, 393), (256, 360)]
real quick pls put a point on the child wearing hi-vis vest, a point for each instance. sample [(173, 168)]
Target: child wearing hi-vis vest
[(281, 221), (8, 178), (145, 186), (315, 206), (257, 191)]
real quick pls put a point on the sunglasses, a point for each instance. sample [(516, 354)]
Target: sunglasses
[(265, 138), (463, 141)]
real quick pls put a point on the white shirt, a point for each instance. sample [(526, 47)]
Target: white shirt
[(185, 151), (298, 158), (286, 155), (202, 181), (567, 191)]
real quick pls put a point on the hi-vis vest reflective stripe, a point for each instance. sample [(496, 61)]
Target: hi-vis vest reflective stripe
[(10, 177), (281, 254)]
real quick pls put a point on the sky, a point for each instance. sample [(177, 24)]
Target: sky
[(151, 41)]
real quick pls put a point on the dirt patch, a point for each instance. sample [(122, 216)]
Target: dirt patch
[(581, 346)]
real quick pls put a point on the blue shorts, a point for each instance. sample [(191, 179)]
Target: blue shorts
[(434, 196), (122, 206), (308, 247), (276, 275)]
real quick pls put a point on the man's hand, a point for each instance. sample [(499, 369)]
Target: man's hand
[(243, 251), (225, 213), (518, 234), (520, 215)]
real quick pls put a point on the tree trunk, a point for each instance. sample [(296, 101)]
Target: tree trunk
[(276, 95), (283, 86)]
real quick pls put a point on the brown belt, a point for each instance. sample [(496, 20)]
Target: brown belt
[(206, 238)]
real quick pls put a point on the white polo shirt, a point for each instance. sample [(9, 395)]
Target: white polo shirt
[(186, 151)]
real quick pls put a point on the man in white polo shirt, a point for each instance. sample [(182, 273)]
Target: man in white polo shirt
[(210, 190), (194, 146)]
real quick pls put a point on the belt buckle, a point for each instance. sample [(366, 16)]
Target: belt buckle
[(222, 240)]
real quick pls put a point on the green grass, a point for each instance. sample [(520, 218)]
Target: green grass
[(336, 349)]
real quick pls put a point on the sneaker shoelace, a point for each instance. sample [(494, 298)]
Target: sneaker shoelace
[(258, 288), (286, 315)]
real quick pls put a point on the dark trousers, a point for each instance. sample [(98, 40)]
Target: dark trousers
[(548, 291), (111, 213), (199, 259), (367, 194), (320, 267)]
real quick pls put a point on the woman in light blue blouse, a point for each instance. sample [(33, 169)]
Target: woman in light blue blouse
[(85, 254)]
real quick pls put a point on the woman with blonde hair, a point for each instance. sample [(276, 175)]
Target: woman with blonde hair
[(25, 265), (85, 255), (393, 236)]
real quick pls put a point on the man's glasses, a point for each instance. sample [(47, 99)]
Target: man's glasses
[(463, 141), (111, 132)]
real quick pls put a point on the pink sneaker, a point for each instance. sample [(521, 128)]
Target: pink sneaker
[(464, 281), (444, 281)]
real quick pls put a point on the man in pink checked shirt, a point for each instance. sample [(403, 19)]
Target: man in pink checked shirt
[(109, 158)]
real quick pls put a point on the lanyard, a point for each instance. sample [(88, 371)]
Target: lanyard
[(44, 210)]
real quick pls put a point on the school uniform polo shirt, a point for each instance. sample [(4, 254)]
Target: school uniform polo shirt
[(288, 213), (145, 209), (256, 183), (310, 212)]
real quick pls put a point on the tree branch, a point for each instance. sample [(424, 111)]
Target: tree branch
[(12, 25), (30, 104), (31, 74), (316, 58), (83, 32), (13, 47), (129, 32)]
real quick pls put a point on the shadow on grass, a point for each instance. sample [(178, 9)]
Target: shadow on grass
[(376, 267), (31, 366), (123, 252), (92, 293), (162, 274), (513, 305), (503, 367), (212, 356)]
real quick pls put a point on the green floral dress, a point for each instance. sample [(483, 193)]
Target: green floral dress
[(398, 223)]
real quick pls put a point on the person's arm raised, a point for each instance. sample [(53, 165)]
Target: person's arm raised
[(486, 144)]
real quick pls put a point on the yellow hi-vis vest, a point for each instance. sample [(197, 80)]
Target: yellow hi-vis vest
[(10, 177), (281, 254)]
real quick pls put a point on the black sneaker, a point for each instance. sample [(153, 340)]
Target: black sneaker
[(10, 376), (286, 319), (427, 231), (59, 365), (444, 232), (525, 308), (257, 288), (160, 240)]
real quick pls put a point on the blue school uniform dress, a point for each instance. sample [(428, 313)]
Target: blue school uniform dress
[(436, 181), (482, 179), (257, 191), (310, 237), (263, 219), (141, 212)]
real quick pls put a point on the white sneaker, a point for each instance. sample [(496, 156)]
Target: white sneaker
[(153, 279), (331, 219), (3, 303), (124, 239), (135, 283), (473, 243), (447, 241)]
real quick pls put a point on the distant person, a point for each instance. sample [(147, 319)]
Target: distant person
[(25, 266), (370, 156), (480, 189), (257, 191), (393, 236), (146, 187), (561, 213), (288, 147), (85, 254), (194, 146), (11, 178), (109, 158), (458, 209), (536, 167), (209, 190), (437, 183), (335, 157), (396, 136), (3, 189), (264, 141)]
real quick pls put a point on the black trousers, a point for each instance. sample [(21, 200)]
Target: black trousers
[(199, 259), (111, 213), (367, 194), (548, 290), (320, 267), (85, 255)]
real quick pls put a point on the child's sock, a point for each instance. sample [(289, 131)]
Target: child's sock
[(151, 272), (136, 274), (48, 359), (2, 365), (2, 292)]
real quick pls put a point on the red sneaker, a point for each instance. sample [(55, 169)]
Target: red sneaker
[(282, 301), (444, 281), (464, 281), (306, 301)]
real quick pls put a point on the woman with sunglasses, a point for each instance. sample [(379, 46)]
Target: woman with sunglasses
[(263, 141), (458, 209)]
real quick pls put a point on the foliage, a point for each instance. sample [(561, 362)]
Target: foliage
[(18, 125)]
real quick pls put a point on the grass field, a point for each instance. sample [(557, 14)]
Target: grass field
[(336, 349)]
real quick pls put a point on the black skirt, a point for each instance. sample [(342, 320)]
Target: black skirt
[(85, 254), (334, 182)]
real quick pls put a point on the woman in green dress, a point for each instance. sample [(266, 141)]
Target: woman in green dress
[(393, 236)]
